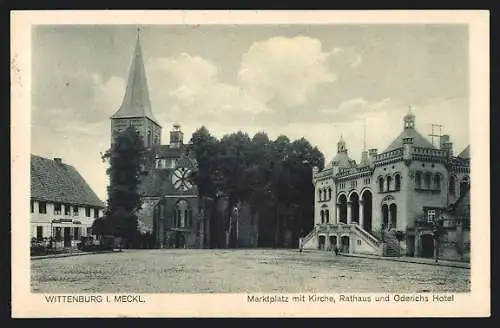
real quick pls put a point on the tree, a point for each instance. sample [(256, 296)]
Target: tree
[(204, 147), (264, 174), (127, 158)]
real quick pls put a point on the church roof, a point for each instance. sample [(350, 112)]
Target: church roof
[(136, 102), (465, 154), (418, 140), (54, 181)]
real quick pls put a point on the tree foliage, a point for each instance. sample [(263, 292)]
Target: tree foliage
[(264, 173), (127, 159)]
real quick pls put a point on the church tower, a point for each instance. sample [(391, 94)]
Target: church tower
[(135, 109)]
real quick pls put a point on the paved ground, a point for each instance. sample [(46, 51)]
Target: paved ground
[(220, 271)]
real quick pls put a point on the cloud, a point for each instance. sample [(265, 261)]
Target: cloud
[(356, 61), (288, 69), (357, 108), (193, 85)]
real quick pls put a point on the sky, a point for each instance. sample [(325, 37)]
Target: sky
[(312, 81)]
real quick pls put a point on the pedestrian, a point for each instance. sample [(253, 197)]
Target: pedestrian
[(336, 250), (301, 244)]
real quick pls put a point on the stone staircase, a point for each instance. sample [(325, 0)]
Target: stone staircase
[(367, 237), (309, 236)]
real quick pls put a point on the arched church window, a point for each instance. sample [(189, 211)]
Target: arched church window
[(319, 194), (397, 182), (381, 184), (389, 180), (322, 216), (182, 214), (451, 185), (327, 216), (329, 193)]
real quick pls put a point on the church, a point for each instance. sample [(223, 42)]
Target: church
[(389, 202), (171, 209)]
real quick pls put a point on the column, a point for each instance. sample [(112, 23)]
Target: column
[(361, 218), (337, 214), (349, 212), (389, 219)]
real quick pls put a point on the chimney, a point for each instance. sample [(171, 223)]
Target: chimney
[(58, 160), (407, 148), (448, 146), (372, 153), (365, 161), (443, 140)]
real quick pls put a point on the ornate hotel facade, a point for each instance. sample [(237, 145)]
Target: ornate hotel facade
[(362, 207)]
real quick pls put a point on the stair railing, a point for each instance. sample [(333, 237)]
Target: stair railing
[(367, 235)]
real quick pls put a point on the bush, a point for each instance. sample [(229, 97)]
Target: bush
[(399, 235)]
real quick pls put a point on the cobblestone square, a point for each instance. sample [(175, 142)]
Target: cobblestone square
[(238, 271)]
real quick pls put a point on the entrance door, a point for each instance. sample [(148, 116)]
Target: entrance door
[(345, 244), (321, 242), (67, 237), (427, 246), (333, 242)]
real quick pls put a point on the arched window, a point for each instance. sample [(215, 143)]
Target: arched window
[(464, 185), (149, 139), (437, 181), (389, 179), (319, 194), (327, 216), (451, 185), (322, 216), (381, 184), (418, 180), (183, 218), (427, 180), (397, 182), (329, 193)]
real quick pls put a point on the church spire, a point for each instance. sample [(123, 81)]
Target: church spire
[(136, 102)]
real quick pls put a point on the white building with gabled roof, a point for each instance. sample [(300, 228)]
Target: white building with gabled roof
[(62, 204)]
